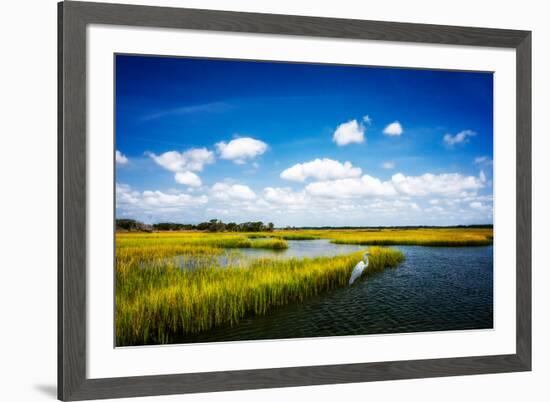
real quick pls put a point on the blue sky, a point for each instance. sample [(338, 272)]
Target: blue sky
[(302, 144)]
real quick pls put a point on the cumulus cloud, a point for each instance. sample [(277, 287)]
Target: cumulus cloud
[(460, 138), (361, 201), (183, 164), (284, 195), (446, 184), (228, 191), (351, 132), (132, 200), (125, 195), (286, 204), (354, 187), (120, 158), (388, 165), (393, 129), (193, 159), (320, 169), (241, 149), (367, 119), (188, 178), (179, 200)]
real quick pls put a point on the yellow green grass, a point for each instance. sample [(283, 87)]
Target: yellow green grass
[(420, 237), (197, 240), (450, 237), (156, 301)]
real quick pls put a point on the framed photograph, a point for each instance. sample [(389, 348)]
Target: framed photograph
[(254, 201)]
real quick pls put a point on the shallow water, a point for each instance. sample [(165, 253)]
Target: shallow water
[(304, 248), (244, 256), (434, 289)]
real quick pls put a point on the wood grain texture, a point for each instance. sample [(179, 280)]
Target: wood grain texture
[(230, 21), (72, 179), (60, 205), (294, 376), (523, 200), (73, 19)]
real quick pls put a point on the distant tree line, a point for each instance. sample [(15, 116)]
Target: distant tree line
[(213, 225), (131, 225), (172, 226)]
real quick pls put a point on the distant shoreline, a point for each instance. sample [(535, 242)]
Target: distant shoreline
[(135, 225)]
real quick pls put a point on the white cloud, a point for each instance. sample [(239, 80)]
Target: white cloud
[(171, 160), (153, 201), (193, 159), (188, 178), (358, 206), (125, 194), (284, 195), (288, 205), (481, 206), (354, 187), (446, 184), (394, 129), (120, 158), (227, 191), (349, 133), (160, 199), (388, 165), (241, 149), (197, 158), (460, 138), (183, 164), (367, 119), (321, 169), (476, 205)]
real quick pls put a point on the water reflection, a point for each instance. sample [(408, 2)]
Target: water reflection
[(245, 256)]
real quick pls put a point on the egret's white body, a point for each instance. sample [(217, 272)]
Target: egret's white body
[(359, 268)]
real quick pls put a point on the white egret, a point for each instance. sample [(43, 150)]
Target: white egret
[(359, 268)]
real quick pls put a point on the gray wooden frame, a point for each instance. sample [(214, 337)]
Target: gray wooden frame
[(73, 17)]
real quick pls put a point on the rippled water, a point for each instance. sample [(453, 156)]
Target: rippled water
[(435, 289)]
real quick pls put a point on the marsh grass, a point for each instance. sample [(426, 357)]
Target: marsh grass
[(156, 304), (274, 240), (416, 237), (449, 237), (195, 240), (275, 244)]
